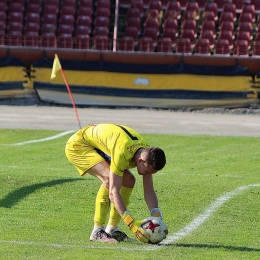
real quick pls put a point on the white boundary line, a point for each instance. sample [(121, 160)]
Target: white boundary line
[(183, 232), (200, 219), (45, 139)]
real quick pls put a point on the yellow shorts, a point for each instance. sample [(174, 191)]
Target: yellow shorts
[(83, 156)]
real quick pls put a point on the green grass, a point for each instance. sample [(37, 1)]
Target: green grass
[(46, 208)]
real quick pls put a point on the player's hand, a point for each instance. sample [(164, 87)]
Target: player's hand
[(155, 212), (135, 227)]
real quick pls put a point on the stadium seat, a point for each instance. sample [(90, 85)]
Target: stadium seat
[(175, 7), (208, 25), (245, 17), (48, 40), (132, 32), (3, 7), (101, 21), (152, 13), (49, 19), (247, 27), (33, 8), (50, 9), (226, 17), (220, 4), (208, 34), (101, 30), (84, 11), (83, 20), (151, 32), (82, 41), (31, 27), (248, 8), (16, 8), (191, 11), (15, 17), (164, 4), (134, 22), (171, 14), (133, 12), (82, 30), (67, 20), (172, 34), (31, 39), (71, 3), (155, 4), (183, 45), (67, 10), (47, 28), (14, 38), (152, 23), (189, 24), (139, 5), (146, 4), (171, 24), (201, 4), (190, 34), (104, 12), (101, 42), (230, 8), (38, 2), (239, 5), (164, 45), (208, 16), (14, 27), (202, 47), (85, 3), (65, 41), (125, 4), (56, 3), (244, 36), (256, 48), (241, 48), (256, 4), (126, 43), (146, 44), (227, 26), (229, 36), (222, 47), (33, 18), (65, 29), (211, 7), (103, 4)]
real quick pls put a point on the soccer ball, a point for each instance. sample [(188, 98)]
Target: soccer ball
[(156, 228)]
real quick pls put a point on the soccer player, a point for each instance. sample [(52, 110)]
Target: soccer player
[(108, 151)]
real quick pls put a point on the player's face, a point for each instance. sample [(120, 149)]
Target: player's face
[(144, 169)]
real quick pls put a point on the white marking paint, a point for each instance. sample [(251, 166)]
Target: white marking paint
[(44, 139), (185, 231), (200, 219)]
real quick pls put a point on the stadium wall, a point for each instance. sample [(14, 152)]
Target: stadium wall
[(137, 79)]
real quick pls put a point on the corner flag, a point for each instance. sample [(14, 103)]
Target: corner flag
[(56, 68)]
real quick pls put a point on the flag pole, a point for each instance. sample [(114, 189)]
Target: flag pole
[(57, 67)]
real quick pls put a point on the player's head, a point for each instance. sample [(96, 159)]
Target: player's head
[(155, 157)]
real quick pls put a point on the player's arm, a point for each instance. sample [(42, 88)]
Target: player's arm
[(115, 183), (150, 196)]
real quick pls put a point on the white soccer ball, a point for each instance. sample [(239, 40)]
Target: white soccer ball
[(156, 228)]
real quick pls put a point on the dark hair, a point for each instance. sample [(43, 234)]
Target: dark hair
[(156, 157)]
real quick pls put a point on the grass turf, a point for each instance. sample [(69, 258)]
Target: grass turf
[(46, 208)]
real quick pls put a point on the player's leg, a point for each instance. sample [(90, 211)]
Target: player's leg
[(102, 205), (125, 191)]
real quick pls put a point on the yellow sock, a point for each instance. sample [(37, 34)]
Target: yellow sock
[(114, 215), (102, 206)]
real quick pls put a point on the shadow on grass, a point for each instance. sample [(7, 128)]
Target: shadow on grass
[(228, 248), (16, 196)]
